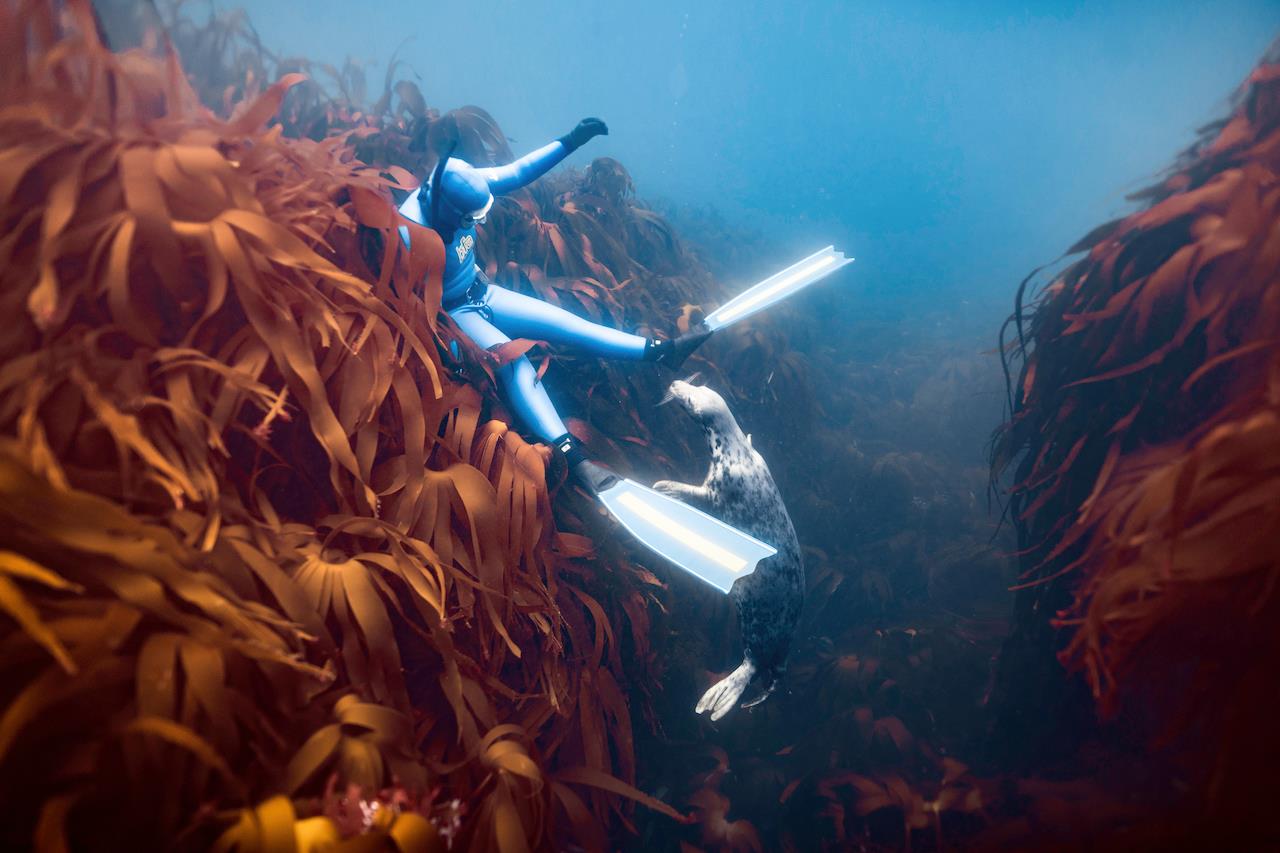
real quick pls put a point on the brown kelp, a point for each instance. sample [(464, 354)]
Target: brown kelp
[(312, 584), (257, 536), (1144, 434)]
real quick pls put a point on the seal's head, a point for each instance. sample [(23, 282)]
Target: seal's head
[(704, 405)]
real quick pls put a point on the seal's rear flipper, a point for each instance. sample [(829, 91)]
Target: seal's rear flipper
[(701, 545), (725, 693)]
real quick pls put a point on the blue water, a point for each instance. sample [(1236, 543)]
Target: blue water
[(950, 147)]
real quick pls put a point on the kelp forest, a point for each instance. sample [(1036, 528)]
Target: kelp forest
[(278, 572)]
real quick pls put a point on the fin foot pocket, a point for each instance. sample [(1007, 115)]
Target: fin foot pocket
[(595, 477), (672, 353)]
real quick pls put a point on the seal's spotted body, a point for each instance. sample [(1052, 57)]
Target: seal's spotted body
[(740, 491)]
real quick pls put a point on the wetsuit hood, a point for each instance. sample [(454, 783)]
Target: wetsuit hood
[(463, 190)]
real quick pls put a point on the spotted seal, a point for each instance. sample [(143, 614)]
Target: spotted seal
[(740, 491)]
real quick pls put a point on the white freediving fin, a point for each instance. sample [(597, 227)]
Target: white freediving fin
[(777, 287), (701, 545)]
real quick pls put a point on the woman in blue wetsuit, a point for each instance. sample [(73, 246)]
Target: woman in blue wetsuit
[(457, 198)]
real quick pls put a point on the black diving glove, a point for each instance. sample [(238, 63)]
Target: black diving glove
[(671, 354), (586, 129)]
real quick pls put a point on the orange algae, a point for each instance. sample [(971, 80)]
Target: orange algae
[(1146, 415), (258, 538), (280, 572)]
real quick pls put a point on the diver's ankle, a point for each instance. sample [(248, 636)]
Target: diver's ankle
[(594, 477), (672, 353), (570, 448), (655, 348)]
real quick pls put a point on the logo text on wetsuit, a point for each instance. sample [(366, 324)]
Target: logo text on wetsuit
[(464, 246)]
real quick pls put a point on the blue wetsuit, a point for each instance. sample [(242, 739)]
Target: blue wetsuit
[(492, 315)]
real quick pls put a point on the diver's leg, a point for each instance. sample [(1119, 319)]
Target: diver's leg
[(523, 316), (519, 380), (528, 399)]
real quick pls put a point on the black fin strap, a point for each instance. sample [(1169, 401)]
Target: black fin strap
[(571, 448)]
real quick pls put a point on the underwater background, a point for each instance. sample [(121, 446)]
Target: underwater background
[(281, 573), (951, 148)]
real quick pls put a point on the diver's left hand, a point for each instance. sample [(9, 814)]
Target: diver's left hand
[(586, 129)]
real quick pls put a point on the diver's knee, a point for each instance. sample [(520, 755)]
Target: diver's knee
[(519, 373)]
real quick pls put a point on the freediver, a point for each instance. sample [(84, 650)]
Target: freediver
[(453, 201)]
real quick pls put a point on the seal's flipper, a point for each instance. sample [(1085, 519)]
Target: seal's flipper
[(698, 497), (724, 694), (701, 545)]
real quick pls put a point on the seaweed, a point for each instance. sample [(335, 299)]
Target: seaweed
[(1142, 437), (279, 571), (257, 534)]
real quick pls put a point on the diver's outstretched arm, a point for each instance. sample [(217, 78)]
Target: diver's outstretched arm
[(695, 496), (530, 167)]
